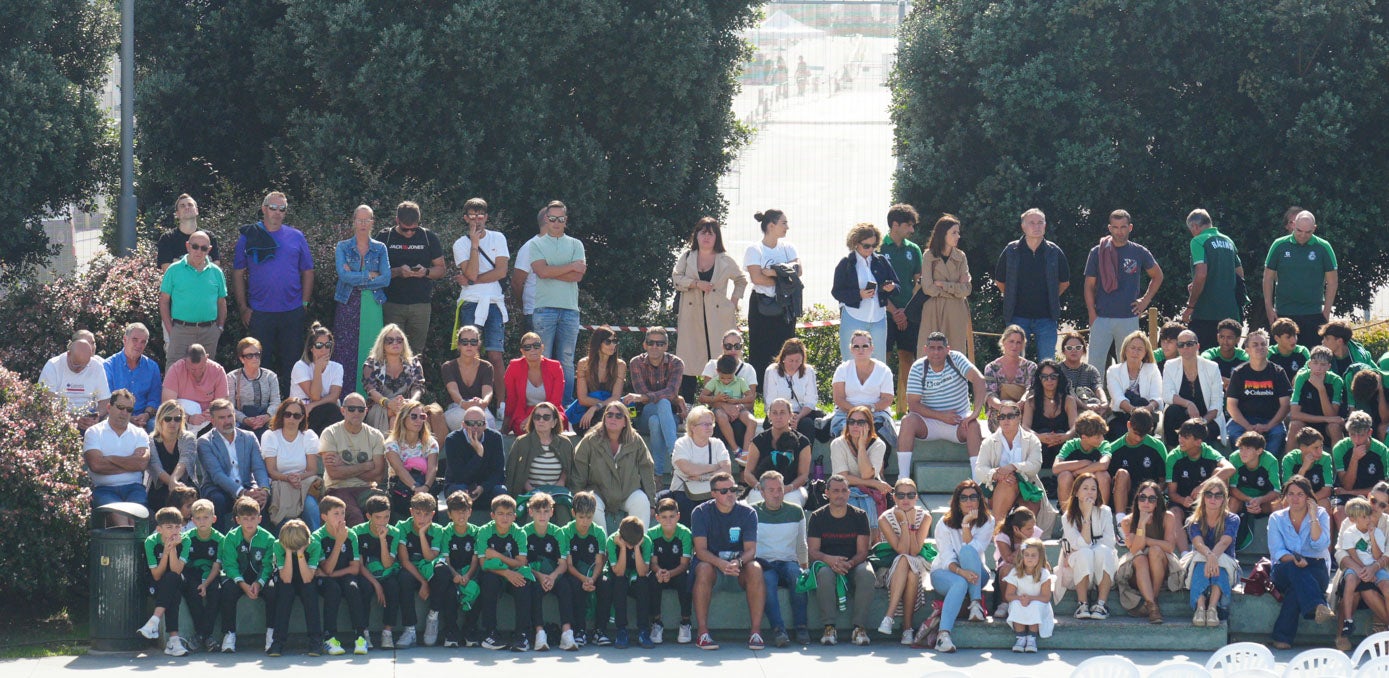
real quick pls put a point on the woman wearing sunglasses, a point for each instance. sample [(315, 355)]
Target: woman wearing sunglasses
[(253, 390), (293, 464), (857, 454), (904, 528), (412, 453), (391, 376), (612, 462), (316, 380), (1008, 463), (530, 380), (1151, 562), (468, 382), (542, 460), (1211, 568), (1299, 541), (863, 282), (599, 377), (962, 537), (173, 455)]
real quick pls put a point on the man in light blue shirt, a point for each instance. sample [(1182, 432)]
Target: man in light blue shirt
[(558, 263), (138, 373)]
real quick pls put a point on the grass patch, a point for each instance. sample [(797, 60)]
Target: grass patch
[(43, 634)]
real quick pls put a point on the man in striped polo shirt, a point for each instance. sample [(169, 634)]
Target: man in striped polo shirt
[(781, 549), (938, 398)]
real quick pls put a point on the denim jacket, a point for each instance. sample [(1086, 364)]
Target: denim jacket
[(357, 278)]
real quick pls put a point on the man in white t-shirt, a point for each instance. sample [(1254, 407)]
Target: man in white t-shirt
[(75, 377), (938, 399), (117, 456), (521, 278), (482, 257)]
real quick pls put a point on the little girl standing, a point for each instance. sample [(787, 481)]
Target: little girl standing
[(1018, 527), (1029, 596)]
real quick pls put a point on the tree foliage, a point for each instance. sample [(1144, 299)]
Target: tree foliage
[(56, 141), (1155, 106), (620, 108)]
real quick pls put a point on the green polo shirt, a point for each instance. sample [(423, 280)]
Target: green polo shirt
[(551, 292), (193, 294), (1301, 272), (1218, 253), (905, 258)]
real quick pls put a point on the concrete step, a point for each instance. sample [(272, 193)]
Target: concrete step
[(940, 450), (936, 477), (1252, 617), (1119, 631)]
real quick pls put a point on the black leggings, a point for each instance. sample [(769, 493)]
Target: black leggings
[(580, 599), (444, 592), (167, 593), (307, 593), (390, 588), (333, 591), (203, 610), (680, 584), (232, 593), (613, 596)]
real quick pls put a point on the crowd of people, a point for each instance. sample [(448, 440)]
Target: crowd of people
[(631, 476)]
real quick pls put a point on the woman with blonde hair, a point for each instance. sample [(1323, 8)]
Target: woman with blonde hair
[(1211, 530), (612, 462), (530, 380), (391, 375), (412, 453), (173, 455), (697, 456), (1008, 376), (1134, 381)]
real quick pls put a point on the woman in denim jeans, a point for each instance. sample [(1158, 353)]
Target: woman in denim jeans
[(364, 271), (962, 537), (1299, 543)]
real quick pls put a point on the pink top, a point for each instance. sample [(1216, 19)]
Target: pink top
[(203, 391)]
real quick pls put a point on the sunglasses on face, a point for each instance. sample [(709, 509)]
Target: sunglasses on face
[(1073, 348), (418, 416), (250, 356), (1147, 498), (531, 347), (858, 422), (475, 423), (557, 219), (867, 245), (395, 340), (469, 342), (323, 344), (732, 347), (969, 497), (723, 490), (904, 495), (544, 416), (1050, 376), (614, 415), (278, 208), (355, 408), (1186, 344), (173, 419), (293, 414), (1007, 415), (860, 347), (657, 342), (1216, 495), (124, 408), (610, 341), (200, 248)]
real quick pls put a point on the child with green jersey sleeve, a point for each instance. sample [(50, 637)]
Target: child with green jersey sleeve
[(378, 543), (339, 577), (546, 548), (1136, 457), (296, 559), (453, 584), (1310, 460), (1317, 396), (203, 583), (1254, 488), (672, 547), (418, 533), (1359, 460), (629, 563), (504, 568), (245, 556), (1190, 464), (166, 567), (587, 550), (1085, 453)]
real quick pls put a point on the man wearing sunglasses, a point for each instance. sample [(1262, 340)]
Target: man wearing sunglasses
[(193, 300), (656, 377), (725, 543), (117, 455), (559, 263), (272, 278), (354, 457), (417, 260)]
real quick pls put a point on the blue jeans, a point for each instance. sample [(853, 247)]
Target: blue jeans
[(110, 494), (1200, 584), (849, 324), (954, 587), (493, 333), (559, 331), (783, 573), (660, 433), (312, 518), (1041, 332), (861, 499), (1275, 436), (1303, 590)]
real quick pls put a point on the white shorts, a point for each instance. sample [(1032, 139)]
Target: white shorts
[(939, 430)]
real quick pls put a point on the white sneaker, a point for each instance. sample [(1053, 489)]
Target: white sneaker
[(1082, 611), (658, 633), (1020, 645), (229, 642), (542, 641), (976, 611), (885, 628), (269, 638), (685, 635), (566, 641), (1031, 643), (1002, 611), (151, 628), (387, 640), (908, 636), (431, 628), (943, 642), (175, 647), (407, 638)]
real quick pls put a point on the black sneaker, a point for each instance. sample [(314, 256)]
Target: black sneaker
[(521, 644), (1348, 627), (492, 642), (276, 649), (580, 637), (470, 639), (601, 638)]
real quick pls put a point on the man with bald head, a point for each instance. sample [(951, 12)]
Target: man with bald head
[(1300, 279), (81, 381), (272, 277), (354, 457), (193, 300), (476, 464)]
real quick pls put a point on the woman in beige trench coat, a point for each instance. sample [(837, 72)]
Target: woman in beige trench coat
[(707, 309)]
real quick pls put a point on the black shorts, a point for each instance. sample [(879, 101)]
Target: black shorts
[(902, 340)]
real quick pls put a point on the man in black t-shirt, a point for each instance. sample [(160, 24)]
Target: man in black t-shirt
[(174, 242), (417, 260), (837, 539), (1258, 396)]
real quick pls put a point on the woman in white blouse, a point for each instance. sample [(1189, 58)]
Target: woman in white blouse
[(1087, 528), (793, 377), (1008, 462), (290, 451), (1133, 382), (1192, 389), (697, 456), (867, 382), (963, 536), (316, 380)]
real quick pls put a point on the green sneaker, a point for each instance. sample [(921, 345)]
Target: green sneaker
[(333, 648), (360, 647)]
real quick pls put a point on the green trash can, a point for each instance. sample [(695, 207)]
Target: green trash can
[(115, 561)]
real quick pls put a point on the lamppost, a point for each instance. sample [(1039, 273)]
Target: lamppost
[(125, 215)]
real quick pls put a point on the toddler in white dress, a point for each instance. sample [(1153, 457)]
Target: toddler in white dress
[(1029, 596)]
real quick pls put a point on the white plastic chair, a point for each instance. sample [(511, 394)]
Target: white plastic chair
[(1375, 668), (1239, 656), (1322, 662), (1372, 647), (947, 673), (1181, 670), (1252, 673), (1109, 666)]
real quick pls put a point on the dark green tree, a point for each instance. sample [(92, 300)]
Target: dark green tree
[(56, 141), (1157, 107), (619, 108)]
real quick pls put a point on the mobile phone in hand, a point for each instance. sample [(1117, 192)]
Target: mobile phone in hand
[(871, 286)]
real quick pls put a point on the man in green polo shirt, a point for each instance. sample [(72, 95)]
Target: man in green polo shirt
[(1215, 268), (193, 300), (559, 263), (905, 257), (1300, 278)]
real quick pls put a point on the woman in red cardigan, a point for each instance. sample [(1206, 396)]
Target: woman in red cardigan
[(531, 380)]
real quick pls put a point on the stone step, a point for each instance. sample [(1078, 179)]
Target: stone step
[(940, 450), (936, 477), (1252, 617), (1117, 632)]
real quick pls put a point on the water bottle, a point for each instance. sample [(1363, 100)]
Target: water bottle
[(817, 471)]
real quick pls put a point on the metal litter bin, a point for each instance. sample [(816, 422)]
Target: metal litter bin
[(115, 564)]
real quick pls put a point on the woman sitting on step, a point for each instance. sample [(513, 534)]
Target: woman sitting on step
[(1151, 563), (1210, 565)]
